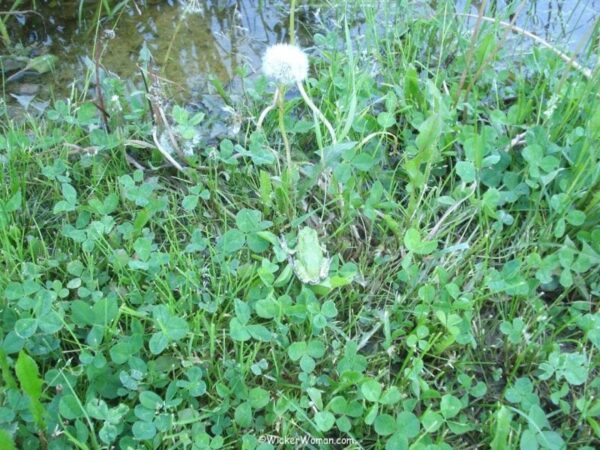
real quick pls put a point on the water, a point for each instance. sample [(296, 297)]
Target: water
[(190, 41), (196, 40), (566, 23)]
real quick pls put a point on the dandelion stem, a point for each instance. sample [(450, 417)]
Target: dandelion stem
[(286, 143), (316, 110)]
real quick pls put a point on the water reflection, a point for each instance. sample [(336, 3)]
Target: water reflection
[(567, 22), (192, 40), (188, 40)]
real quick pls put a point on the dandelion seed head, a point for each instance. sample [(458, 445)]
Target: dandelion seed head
[(285, 63)]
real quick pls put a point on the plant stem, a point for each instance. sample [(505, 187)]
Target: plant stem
[(268, 109), (4, 34), (292, 25), (316, 110), (286, 143), (3, 30)]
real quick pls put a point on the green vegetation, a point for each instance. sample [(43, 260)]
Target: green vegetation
[(156, 290)]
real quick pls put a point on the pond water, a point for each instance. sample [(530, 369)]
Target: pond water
[(191, 41), (195, 40), (568, 23)]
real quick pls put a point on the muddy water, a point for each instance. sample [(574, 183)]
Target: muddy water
[(191, 41), (196, 40)]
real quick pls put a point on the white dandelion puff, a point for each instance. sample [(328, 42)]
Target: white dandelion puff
[(286, 64)]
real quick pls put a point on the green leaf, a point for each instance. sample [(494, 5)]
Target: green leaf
[(143, 431), (501, 429), (108, 433), (296, 350), (150, 400), (70, 408), (158, 342), (105, 311), (386, 119), (413, 242), (412, 91), (552, 440), (175, 328), (87, 114), (238, 331), (259, 332), (307, 364), (267, 308), (14, 203), (28, 376), (315, 348), (25, 328), (408, 424), (466, 171), (248, 220), (180, 115), (7, 376), (242, 311), (232, 241), (391, 396), (69, 193), (385, 425), (328, 309), (81, 313), (533, 154), (371, 389), (324, 420), (190, 202), (243, 415), (397, 442), (575, 217), (450, 406), (429, 132), (6, 442), (259, 398), (575, 368), (431, 421), (31, 383)]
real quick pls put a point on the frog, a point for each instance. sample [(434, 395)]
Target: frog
[(309, 258)]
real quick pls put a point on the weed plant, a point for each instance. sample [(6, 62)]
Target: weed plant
[(143, 306)]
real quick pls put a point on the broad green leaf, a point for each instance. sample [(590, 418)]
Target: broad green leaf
[(501, 427), (429, 132), (6, 442), (31, 383)]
